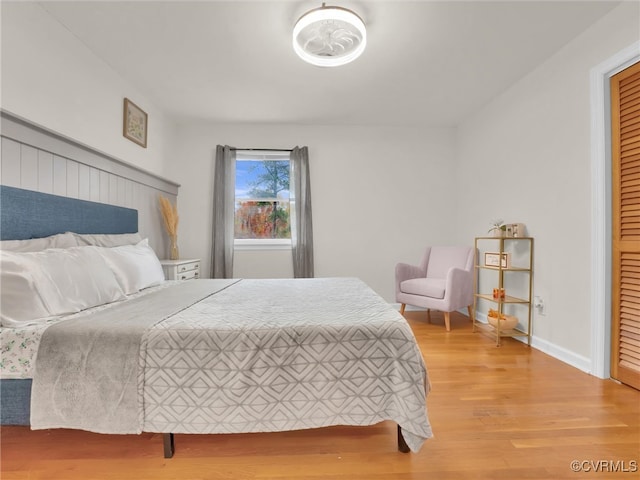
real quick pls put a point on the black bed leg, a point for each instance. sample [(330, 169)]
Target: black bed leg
[(168, 445), (402, 445)]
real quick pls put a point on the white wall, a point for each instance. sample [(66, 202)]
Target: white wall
[(52, 79), (526, 158), (379, 195)]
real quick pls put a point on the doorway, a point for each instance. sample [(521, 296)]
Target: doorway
[(625, 231)]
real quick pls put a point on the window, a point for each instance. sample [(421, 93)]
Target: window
[(261, 210)]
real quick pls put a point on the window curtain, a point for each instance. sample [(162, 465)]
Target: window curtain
[(300, 204), (224, 191)]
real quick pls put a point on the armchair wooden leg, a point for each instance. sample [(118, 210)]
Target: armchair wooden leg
[(428, 315), (402, 308), (447, 321), (470, 312)]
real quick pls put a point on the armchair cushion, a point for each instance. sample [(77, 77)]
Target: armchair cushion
[(426, 287)]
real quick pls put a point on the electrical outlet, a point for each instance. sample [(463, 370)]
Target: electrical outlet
[(539, 305)]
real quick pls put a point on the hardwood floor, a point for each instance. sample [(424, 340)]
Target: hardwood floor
[(497, 413)]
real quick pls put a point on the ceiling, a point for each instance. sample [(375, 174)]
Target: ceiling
[(427, 62)]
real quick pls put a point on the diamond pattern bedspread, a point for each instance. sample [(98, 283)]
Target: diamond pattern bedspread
[(273, 355)]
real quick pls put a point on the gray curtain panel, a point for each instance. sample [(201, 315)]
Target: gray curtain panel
[(224, 190), (301, 224)]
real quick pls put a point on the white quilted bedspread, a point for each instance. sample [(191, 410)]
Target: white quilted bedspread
[(273, 355)]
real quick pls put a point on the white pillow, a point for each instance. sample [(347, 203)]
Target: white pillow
[(135, 266), (65, 281), (60, 240), (108, 240), (75, 279), (20, 301)]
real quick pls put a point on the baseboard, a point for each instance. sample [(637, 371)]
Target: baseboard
[(551, 349), (567, 356)]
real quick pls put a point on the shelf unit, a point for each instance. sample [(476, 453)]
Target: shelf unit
[(502, 277)]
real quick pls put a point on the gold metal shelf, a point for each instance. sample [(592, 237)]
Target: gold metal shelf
[(510, 269), (504, 238), (486, 328), (506, 299), (501, 281)]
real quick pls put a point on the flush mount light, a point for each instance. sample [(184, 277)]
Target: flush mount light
[(329, 36)]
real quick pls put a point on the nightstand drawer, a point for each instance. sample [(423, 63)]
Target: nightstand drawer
[(188, 267), (181, 269), (188, 275)]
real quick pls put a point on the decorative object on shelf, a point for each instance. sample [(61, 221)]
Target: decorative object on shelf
[(506, 322), (329, 36), (517, 230), (497, 259), (134, 123), (509, 231), (498, 293), (170, 219), (498, 228)]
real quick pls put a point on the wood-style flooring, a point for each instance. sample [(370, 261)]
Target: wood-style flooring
[(497, 413)]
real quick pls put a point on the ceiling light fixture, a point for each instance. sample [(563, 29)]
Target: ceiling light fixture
[(329, 36)]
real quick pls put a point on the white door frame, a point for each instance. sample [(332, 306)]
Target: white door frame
[(601, 206)]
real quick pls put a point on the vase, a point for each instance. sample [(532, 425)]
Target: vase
[(173, 248)]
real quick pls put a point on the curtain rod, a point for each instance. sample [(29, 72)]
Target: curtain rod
[(264, 149)]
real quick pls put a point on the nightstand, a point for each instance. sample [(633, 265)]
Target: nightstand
[(181, 269)]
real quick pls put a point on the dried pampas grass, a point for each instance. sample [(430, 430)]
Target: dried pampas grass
[(169, 216)]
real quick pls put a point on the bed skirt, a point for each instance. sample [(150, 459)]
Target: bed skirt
[(15, 401)]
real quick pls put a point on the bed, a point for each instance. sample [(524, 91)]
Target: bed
[(206, 356)]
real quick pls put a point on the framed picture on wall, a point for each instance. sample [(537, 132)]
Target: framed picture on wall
[(134, 123)]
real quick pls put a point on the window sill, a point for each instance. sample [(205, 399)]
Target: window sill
[(266, 244)]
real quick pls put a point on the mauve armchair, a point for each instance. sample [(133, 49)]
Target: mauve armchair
[(443, 280)]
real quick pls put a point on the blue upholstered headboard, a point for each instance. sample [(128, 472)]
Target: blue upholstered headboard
[(27, 214)]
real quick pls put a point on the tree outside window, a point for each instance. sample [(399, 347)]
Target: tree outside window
[(262, 195)]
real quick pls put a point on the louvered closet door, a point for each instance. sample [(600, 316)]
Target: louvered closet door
[(625, 320)]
